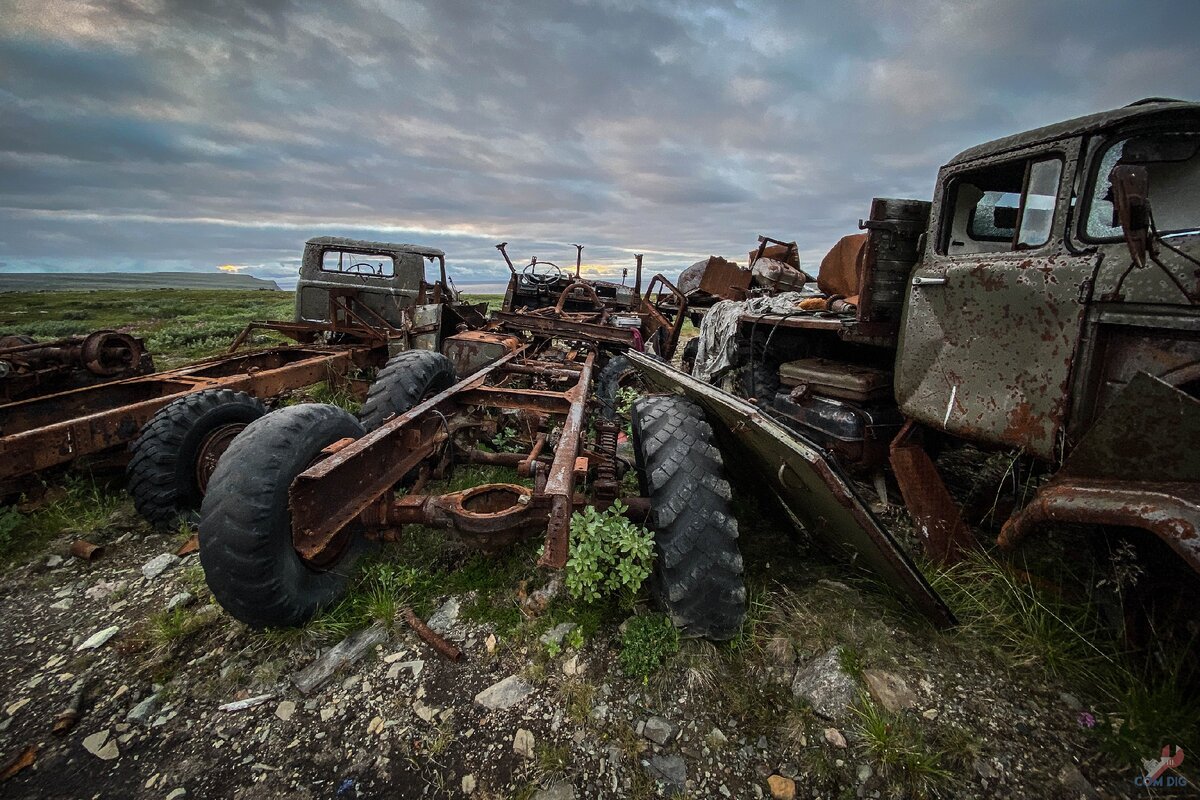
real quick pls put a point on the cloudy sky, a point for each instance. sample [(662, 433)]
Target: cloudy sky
[(186, 134)]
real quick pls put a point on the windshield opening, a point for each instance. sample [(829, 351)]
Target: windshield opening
[(1173, 163)]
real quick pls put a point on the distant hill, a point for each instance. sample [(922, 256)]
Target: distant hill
[(51, 281)]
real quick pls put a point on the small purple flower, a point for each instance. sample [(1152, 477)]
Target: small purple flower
[(1086, 720)]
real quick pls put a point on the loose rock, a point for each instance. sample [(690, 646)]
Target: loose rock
[(781, 788), (556, 634), (159, 564), (523, 743), (445, 617), (98, 638), (181, 600), (101, 746), (660, 730), (888, 690), (825, 686), (670, 769), (834, 737), (505, 694), (285, 710)]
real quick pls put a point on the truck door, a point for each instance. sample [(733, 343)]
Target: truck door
[(994, 310)]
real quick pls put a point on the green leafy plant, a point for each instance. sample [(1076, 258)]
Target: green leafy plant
[(647, 641), (575, 638), (504, 440), (610, 555)]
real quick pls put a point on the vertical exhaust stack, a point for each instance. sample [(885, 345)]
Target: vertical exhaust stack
[(637, 280), (578, 259)]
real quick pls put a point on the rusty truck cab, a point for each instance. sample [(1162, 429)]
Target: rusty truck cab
[(1056, 310), (1023, 318)]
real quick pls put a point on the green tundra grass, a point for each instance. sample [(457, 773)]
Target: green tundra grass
[(179, 325)]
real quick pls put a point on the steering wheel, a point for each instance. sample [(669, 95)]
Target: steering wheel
[(532, 274), (357, 269)]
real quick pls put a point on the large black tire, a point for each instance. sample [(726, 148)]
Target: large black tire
[(617, 374), (176, 451), (250, 565), (697, 576), (406, 379), (757, 381)]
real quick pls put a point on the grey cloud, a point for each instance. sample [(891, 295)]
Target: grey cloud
[(189, 134)]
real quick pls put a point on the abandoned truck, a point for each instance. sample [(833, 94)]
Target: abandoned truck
[(305, 490), (1046, 301), (357, 303)]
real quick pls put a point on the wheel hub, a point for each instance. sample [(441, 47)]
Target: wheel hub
[(211, 450)]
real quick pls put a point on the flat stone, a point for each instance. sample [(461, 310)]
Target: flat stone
[(781, 788), (327, 713), (181, 600), (556, 634), (825, 686), (574, 666), (834, 737), (285, 710), (889, 690), (670, 769), (101, 746), (375, 726), (717, 739), (17, 706), (98, 638), (54, 561), (427, 713), (177, 794), (660, 730), (445, 617), (159, 564), (490, 643), (505, 694), (557, 791), (523, 743), (414, 666), (142, 712)]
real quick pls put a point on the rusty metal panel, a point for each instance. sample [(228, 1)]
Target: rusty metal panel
[(988, 343), (938, 518), (725, 279), (1150, 432), (472, 350), (806, 482)]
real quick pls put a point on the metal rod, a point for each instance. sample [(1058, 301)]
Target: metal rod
[(444, 647)]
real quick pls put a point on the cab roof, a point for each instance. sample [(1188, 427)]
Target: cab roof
[(1149, 107), (362, 244)]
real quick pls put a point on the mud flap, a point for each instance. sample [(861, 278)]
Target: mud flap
[(806, 481)]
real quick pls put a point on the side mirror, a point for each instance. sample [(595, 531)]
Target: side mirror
[(1131, 199)]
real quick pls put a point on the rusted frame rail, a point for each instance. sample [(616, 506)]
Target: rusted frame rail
[(363, 473), (48, 431)]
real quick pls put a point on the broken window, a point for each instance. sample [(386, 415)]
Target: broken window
[(1172, 161), (1001, 208), (352, 263)]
